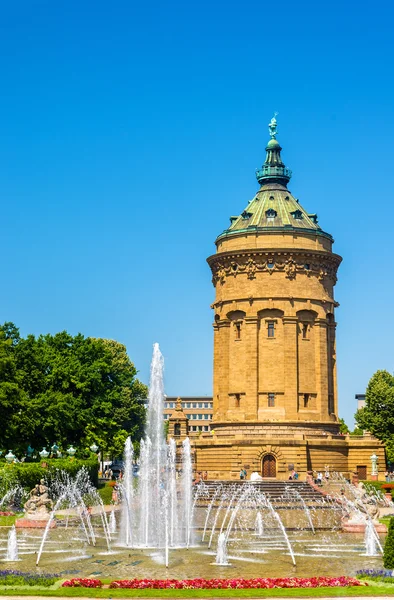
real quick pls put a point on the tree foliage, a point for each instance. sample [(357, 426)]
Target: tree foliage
[(67, 389), (377, 416), (388, 554)]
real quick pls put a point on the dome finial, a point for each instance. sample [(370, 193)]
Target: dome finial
[(272, 125), (273, 169)]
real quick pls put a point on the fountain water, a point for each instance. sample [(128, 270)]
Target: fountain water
[(12, 546), (371, 540), (153, 515), (221, 554), (259, 527), (215, 495), (112, 522)]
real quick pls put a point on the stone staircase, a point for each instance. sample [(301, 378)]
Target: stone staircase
[(275, 490)]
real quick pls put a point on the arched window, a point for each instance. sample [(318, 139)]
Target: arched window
[(177, 429)]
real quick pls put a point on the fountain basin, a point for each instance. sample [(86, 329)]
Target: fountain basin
[(360, 527), (28, 523)]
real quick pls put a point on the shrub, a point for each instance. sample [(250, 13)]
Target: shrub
[(105, 491), (29, 474), (388, 554)]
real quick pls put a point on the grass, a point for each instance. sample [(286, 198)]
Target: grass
[(8, 521), (371, 590)]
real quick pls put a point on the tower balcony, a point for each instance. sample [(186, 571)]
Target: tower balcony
[(268, 172)]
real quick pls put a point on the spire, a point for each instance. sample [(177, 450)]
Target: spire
[(273, 169)]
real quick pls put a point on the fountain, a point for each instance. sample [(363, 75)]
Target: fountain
[(161, 516), (12, 546), (371, 540), (112, 522), (259, 527), (159, 513), (221, 554)]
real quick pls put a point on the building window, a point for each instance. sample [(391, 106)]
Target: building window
[(271, 400), (237, 400), (206, 417), (200, 405), (237, 327), (296, 214), (306, 400), (307, 267), (177, 429), (271, 329), (206, 404), (270, 215), (206, 427), (305, 331)]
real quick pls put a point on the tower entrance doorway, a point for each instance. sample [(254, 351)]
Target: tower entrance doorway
[(268, 466)]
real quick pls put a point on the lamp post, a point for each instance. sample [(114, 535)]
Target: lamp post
[(71, 451), (10, 457), (94, 448), (54, 449), (374, 463), (44, 453)]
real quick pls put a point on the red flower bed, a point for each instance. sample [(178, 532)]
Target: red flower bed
[(237, 583), (81, 582), (6, 513)]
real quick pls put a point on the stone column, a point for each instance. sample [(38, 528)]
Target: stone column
[(251, 368), (290, 332), (221, 369)]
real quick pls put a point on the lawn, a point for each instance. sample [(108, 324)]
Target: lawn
[(7, 521)]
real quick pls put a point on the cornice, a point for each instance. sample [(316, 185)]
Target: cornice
[(291, 262)]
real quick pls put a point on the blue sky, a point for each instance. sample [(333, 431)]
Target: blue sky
[(130, 132)]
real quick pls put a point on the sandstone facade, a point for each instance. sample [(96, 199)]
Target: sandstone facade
[(275, 393)]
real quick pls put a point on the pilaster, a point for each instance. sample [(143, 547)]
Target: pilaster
[(251, 377), (290, 328), (221, 369), (322, 371)]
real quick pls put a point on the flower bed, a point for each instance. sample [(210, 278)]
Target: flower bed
[(9, 577), (83, 582), (236, 583), (6, 513), (385, 575)]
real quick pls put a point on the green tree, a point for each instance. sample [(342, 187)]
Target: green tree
[(388, 554), (67, 389), (343, 428), (377, 416)]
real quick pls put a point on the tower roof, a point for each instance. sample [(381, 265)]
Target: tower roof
[(274, 207)]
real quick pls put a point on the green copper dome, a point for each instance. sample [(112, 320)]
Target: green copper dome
[(274, 208)]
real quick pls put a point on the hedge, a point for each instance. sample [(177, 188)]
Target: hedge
[(29, 474), (105, 490)]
